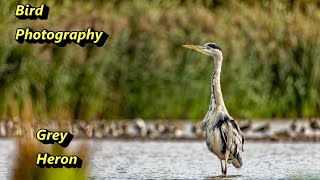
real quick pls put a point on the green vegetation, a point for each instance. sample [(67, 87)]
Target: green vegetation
[(271, 60)]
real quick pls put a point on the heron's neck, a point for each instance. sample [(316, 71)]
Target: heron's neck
[(216, 94)]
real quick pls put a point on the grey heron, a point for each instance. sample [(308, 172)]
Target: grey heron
[(223, 135)]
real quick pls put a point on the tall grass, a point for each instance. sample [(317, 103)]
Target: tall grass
[(271, 60)]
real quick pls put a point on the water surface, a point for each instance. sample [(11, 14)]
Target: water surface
[(188, 160)]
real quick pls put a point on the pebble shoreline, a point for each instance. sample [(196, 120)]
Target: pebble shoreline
[(139, 129)]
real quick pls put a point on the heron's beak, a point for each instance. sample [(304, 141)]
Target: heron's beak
[(197, 48)]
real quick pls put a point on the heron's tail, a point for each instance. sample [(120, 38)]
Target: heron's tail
[(236, 160)]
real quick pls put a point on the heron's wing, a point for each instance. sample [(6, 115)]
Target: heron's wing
[(205, 120), (234, 140)]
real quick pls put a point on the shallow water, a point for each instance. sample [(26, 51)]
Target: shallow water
[(188, 160)]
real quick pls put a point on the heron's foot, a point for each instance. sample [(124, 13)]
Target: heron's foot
[(224, 173)]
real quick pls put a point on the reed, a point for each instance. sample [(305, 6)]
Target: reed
[(28, 147), (25, 167)]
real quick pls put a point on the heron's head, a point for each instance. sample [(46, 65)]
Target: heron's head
[(210, 49)]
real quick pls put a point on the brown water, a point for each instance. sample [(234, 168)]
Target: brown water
[(189, 160)]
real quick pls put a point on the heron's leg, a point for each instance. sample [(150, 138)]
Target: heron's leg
[(226, 157), (223, 167)]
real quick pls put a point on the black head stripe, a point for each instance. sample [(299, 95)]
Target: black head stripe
[(214, 46)]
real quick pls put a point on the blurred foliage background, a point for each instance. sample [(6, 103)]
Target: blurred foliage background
[(271, 60)]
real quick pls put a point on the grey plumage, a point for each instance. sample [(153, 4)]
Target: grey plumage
[(223, 135)]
